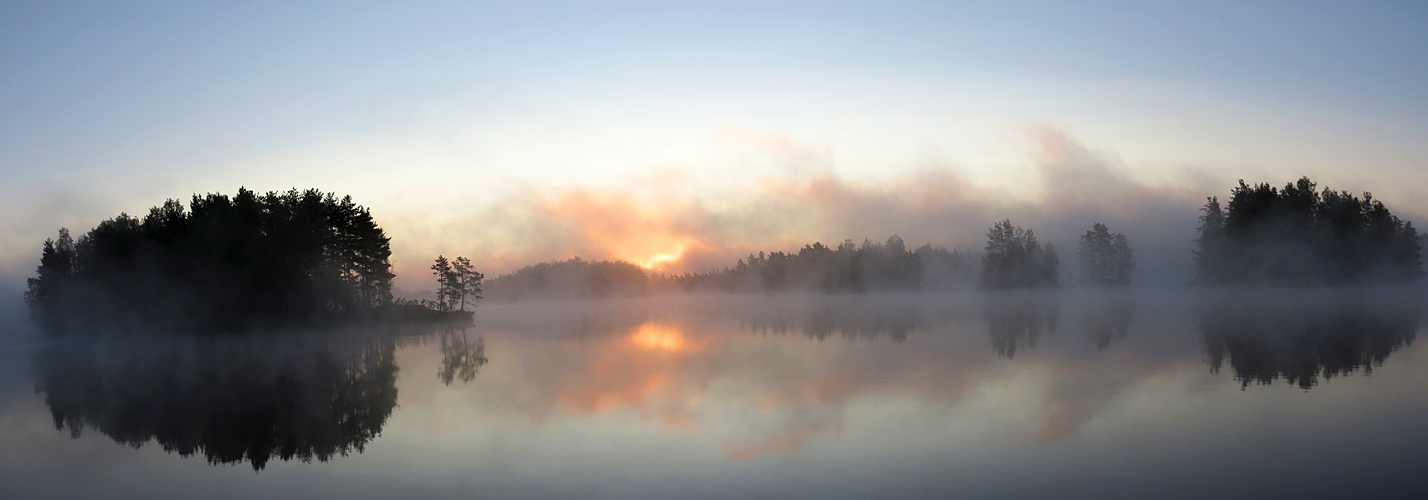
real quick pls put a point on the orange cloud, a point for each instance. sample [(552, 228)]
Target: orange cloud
[(668, 223)]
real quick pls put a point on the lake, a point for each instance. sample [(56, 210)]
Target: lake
[(1129, 394)]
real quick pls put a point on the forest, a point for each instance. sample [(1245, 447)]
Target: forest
[(848, 268), (1298, 236), (1294, 236), (221, 263)]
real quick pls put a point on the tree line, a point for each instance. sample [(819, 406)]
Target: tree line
[(1298, 235), (573, 278), (224, 263), (227, 262), (1012, 258), (849, 267)]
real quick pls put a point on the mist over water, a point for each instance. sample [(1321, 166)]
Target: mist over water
[(708, 250), (737, 395)]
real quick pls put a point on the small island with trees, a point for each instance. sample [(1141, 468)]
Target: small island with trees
[(1297, 236), (239, 263)]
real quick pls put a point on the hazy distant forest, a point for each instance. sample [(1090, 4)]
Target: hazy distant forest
[(1294, 236), (308, 257)]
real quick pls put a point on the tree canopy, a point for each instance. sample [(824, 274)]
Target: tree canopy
[(1300, 236), (1014, 259), (249, 260), (1105, 257), (456, 281)]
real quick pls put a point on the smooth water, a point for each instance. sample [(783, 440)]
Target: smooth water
[(1305, 394)]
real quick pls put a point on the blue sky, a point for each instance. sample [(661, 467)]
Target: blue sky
[(431, 113)]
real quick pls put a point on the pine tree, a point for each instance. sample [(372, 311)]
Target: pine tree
[(1105, 257), (467, 281), (1210, 245), (446, 282)]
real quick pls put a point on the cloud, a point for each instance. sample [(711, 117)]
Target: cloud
[(667, 222)]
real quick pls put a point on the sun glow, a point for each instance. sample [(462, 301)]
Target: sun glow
[(652, 337), (659, 261)]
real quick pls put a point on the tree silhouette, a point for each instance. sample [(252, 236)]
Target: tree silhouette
[(1105, 257), (1211, 247), (574, 278), (297, 257), (849, 267), (448, 283), (468, 281), (1299, 236), (1014, 259)]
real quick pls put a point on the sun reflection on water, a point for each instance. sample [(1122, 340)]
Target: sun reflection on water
[(656, 337)]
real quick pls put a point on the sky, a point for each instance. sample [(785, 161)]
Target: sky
[(681, 135)]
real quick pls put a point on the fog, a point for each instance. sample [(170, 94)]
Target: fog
[(761, 377), (808, 201), (666, 224)]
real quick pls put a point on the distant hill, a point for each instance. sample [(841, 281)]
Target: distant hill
[(574, 278), (846, 268)]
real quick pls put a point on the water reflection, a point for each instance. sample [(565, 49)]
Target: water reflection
[(849, 317), (741, 378), (1016, 323), (461, 357), (1107, 320), (1307, 339), (248, 399)]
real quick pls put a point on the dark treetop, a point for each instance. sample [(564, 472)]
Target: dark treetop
[(1014, 259), (249, 261), (1300, 236), (1105, 257)]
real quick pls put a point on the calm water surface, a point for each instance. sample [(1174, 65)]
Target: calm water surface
[(1304, 394)]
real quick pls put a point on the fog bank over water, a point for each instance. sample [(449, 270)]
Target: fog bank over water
[(836, 390), (668, 225)]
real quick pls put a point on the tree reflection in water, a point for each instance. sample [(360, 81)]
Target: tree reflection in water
[(1015, 323), (231, 399), (461, 358), (1302, 341), (848, 317), (1107, 321)]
